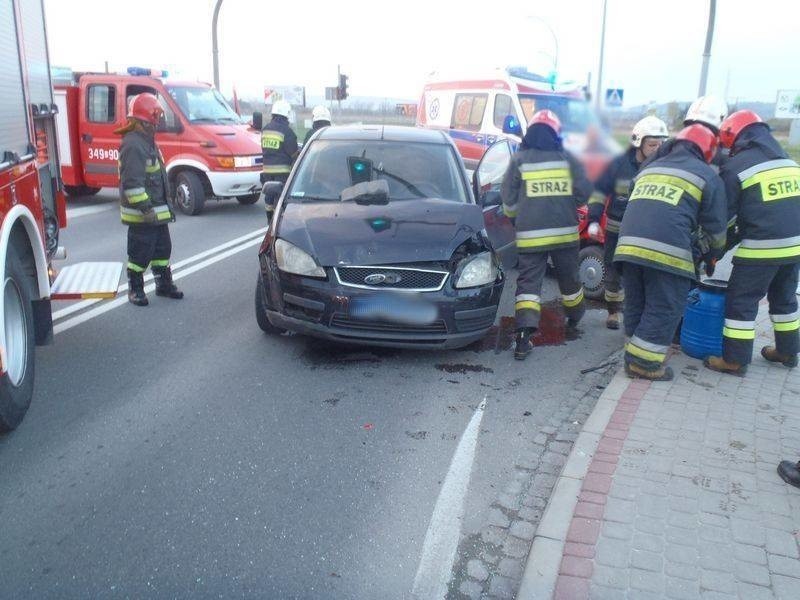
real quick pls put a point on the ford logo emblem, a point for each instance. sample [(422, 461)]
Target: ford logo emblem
[(375, 279)]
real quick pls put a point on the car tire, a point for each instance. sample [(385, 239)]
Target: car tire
[(190, 195), (80, 190), (245, 200), (16, 384), (261, 311), (592, 271)]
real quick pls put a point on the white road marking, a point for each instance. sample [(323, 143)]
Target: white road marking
[(74, 213), (79, 306), (107, 306), (441, 540)]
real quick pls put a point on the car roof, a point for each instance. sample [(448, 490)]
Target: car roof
[(391, 133)]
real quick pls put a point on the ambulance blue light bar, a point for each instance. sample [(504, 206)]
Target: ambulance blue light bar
[(141, 71)]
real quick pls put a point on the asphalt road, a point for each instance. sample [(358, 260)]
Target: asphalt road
[(178, 451)]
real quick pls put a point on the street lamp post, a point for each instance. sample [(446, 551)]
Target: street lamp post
[(214, 48), (598, 96), (707, 52)]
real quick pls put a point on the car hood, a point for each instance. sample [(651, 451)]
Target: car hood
[(403, 231)]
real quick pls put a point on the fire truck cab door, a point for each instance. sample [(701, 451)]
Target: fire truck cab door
[(102, 111)]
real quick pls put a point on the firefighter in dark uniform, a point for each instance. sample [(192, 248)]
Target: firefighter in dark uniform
[(320, 117), (763, 187), (670, 198), (541, 191), (614, 185), (278, 147), (144, 191)]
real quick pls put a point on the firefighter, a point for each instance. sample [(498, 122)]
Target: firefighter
[(541, 191), (763, 187), (670, 198), (320, 117), (278, 144), (143, 201), (646, 137)]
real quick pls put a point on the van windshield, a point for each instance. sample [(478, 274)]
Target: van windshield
[(576, 114), (203, 104)]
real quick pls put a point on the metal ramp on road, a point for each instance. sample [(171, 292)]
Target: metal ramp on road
[(87, 280)]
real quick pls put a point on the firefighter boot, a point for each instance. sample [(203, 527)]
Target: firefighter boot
[(136, 293), (612, 322), (164, 285), (718, 363), (523, 346), (790, 472), (661, 374), (771, 354)]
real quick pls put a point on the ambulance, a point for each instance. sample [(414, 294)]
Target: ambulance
[(209, 151), (486, 114)]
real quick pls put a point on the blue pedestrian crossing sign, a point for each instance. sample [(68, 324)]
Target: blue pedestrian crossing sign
[(614, 96)]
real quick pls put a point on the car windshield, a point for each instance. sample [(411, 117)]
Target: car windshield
[(203, 105), (575, 113), (411, 170)]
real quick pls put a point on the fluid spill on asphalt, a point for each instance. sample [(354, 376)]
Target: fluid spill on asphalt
[(463, 368)]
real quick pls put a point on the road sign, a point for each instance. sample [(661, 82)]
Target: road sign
[(293, 94), (787, 106), (614, 96), (331, 93)]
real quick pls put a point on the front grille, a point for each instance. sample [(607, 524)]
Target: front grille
[(394, 278), (475, 323), (345, 322)]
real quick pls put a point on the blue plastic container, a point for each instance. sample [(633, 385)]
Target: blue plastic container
[(701, 333)]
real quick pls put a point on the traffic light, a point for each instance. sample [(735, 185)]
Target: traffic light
[(342, 87)]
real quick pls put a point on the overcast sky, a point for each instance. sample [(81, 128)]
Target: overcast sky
[(653, 47)]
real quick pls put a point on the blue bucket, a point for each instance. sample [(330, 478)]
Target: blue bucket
[(703, 320)]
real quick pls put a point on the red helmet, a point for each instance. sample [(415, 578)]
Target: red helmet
[(700, 136), (731, 127), (546, 117), (145, 107)]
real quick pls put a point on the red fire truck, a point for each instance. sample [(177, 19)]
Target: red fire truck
[(32, 209), (209, 151)]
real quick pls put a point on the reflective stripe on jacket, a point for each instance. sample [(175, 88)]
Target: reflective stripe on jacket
[(278, 146)]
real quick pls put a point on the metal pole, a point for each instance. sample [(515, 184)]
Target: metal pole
[(707, 53), (214, 48), (599, 95), (338, 81)]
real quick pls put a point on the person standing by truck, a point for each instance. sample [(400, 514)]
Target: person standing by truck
[(541, 190), (647, 136), (143, 201), (320, 117)]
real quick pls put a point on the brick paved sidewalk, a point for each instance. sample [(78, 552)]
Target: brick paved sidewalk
[(674, 493)]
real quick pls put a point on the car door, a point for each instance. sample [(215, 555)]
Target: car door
[(486, 182), (104, 112)]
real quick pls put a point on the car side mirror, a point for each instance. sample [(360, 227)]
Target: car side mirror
[(258, 121), (271, 191), (512, 126)]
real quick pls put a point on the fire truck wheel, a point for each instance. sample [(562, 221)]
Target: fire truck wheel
[(189, 193), (261, 310), (251, 199), (591, 271), (16, 384)]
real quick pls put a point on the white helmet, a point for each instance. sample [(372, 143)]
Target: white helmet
[(320, 113), (709, 110), (648, 127), (282, 108)]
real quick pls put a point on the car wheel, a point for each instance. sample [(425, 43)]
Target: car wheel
[(592, 272), (261, 310), (190, 196), (251, 199), (16, 384)]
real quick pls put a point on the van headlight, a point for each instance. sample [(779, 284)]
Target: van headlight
[(292, 259), (476, 270)]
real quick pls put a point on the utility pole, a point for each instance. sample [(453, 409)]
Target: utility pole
[(598, 97), (214, 47), (338, 79), (707, 53)]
